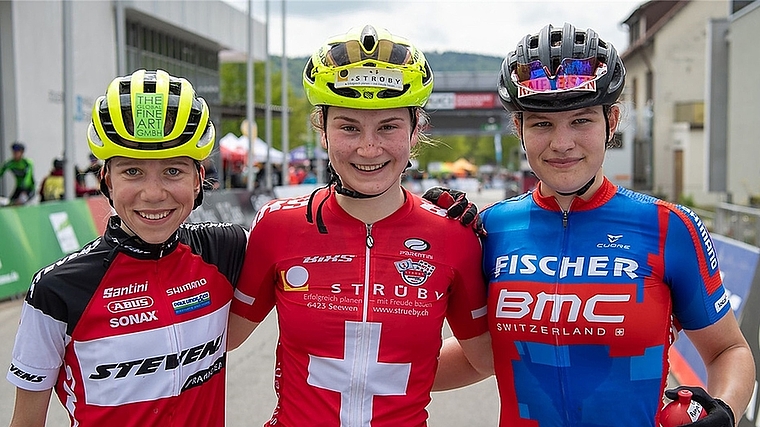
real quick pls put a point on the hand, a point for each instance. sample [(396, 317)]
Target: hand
[(457, 207), (719, 414)]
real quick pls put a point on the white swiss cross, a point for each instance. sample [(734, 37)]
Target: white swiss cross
[(358, 377)]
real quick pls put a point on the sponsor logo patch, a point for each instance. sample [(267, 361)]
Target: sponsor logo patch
[(121, 306), (192, 303)]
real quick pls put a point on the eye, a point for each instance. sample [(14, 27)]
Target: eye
[(173, 172), (541, 124), (348, 128), (132, 172)]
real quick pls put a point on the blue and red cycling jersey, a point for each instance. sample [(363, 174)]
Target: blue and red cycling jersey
[(582, 304)]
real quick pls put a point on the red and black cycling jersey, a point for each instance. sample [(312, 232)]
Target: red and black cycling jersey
[(133, 333)]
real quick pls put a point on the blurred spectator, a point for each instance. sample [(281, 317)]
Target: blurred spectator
[(212, 175), (23, 169), (52, 187), (82, 187), (297, 174), (310, 178)]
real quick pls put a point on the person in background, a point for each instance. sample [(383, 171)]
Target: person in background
[(82, 187), (52, 187), (212, 175), (131, 330), (362, 272), (23, 169), (588, 282)]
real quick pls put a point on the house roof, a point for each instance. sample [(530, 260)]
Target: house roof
[(656, 13)]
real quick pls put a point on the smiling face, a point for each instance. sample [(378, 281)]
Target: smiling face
[(566, 149), (369, 149), (153, 197)]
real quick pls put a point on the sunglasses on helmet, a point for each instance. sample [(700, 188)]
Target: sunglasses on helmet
[(572, 74)]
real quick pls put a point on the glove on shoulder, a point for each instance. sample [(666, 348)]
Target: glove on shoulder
[(457, 207)]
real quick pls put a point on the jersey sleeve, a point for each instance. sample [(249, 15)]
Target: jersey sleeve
[(38, 350), (692, 271), (466, 312), (255, 292)]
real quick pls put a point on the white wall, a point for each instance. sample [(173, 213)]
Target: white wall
[(744, 105), (679, 64)]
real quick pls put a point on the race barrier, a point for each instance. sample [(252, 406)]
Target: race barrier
[(36, 236), (741, 277), (32, 237)]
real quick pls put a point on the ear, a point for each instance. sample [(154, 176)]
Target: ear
[(105, 181), (516, 125), (614, 119), (415, 135), (201, 178)]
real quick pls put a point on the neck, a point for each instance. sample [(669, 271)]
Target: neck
[(373, 209), (564, 201)]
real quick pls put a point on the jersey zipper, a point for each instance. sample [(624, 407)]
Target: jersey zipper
[(364, 340), (563, 381)]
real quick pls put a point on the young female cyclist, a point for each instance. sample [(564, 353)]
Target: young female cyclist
[(362, 272), (586, 279), (131, 329)]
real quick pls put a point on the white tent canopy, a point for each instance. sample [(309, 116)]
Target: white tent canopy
[(239, 146)]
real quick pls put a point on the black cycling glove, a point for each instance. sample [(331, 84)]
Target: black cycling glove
[(719, 414), (457, 207)]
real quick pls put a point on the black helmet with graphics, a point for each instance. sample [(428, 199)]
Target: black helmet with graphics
[(560, 69)]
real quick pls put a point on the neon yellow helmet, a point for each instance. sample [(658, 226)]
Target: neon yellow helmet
[(368, 68), (150, 115)]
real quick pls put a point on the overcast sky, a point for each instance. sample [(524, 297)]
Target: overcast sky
[(489, 27)]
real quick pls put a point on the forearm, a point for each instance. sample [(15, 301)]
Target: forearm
[(456, 369), (731, 377), (30, 408)]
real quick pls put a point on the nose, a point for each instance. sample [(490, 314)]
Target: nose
[(154, 190), (369, 146), (562, 139)]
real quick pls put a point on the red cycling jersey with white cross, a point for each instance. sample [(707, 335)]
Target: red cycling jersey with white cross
[(360, 308)]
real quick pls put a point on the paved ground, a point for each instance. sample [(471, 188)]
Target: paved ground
[(249, 371)]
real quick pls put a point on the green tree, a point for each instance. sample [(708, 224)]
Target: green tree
[(233, 92), (479, 150)]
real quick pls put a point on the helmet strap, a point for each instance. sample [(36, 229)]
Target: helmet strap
[(581, 191)]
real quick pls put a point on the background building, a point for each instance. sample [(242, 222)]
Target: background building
[(109, 38), (691, 111)]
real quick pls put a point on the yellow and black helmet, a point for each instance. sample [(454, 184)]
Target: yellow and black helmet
[(368, 68), (150, 115)]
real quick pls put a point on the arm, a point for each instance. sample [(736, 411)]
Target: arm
[(729, 362), (238, 330), (30, 409), (464, 362)]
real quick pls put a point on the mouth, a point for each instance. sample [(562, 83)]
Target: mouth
[(369, 168), (563, 162), (154, 216)]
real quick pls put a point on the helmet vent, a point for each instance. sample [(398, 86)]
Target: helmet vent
[(556, 38), (175, 88), (369, 38)]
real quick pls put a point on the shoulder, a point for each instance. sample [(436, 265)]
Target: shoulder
[(77, 273), (427, 215), (509, 206), (213, 234), (288, 209)]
